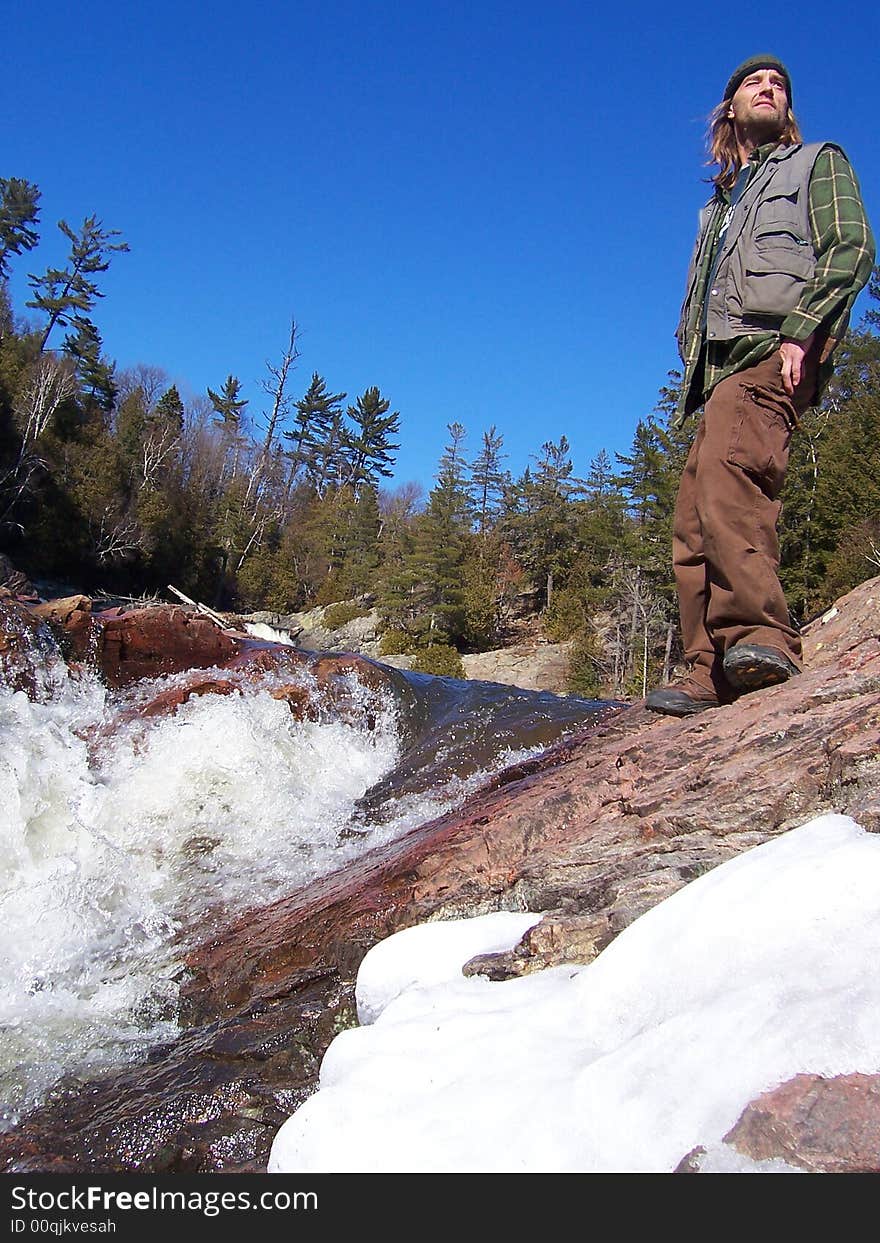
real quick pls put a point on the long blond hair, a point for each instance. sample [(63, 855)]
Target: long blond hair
[(722, 148)]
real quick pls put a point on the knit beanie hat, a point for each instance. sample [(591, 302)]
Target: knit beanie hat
[(749, 66)]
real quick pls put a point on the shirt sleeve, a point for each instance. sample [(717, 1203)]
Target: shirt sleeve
[(844, 248)]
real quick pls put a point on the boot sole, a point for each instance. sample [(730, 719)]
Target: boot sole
[(756, 675), (680, 709)]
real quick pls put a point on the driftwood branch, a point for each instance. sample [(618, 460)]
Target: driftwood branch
[(201, 608)]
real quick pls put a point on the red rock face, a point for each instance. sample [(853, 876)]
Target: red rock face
[(298, 700), (167, 702), (150, 642), (329, 669)]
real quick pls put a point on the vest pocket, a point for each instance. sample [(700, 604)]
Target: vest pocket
[(776, 271)]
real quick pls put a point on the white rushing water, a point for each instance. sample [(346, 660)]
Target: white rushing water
[(123, 837)]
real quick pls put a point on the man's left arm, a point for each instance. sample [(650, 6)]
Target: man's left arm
[(844, 249)]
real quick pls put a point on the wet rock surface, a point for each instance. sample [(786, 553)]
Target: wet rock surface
[(594, 831), (26, 647), (598, 829), (145, 643), (71, 621), (211, 1101)]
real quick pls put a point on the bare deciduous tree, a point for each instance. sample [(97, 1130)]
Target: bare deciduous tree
[(157, 447), (639, 618), (51, 383), (276, 389), (152, 382), (113, 537)]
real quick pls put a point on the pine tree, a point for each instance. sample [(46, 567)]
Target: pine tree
[(228, 405), (130, 425), (149, 436), (830, 502), (847, 508), (650, 481), (168, 416), (540, 519), (19, 212), (426, 597), (397, 510), (638, 590), (63, 293), (802, 564), (95, 374), (487, 479), (601, 531), (370, 446), (358, 552), (317, 421), (331, 466)]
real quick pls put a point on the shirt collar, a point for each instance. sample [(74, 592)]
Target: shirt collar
[(756, 159), (759, 155)]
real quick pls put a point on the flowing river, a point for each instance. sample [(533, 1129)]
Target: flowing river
[(125, 838)]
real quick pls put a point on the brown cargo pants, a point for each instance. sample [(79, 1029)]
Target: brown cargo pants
[(725, 547)]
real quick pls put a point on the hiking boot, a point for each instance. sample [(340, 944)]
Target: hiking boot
[(682, 698), (750, 667)]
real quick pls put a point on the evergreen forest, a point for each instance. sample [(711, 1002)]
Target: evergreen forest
[(110, 480)]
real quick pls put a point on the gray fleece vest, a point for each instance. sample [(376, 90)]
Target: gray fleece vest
[(766, 255)]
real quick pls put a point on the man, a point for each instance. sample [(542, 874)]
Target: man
[(782, 251)]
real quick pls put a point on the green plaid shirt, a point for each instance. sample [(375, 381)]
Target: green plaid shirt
[(844, 248)]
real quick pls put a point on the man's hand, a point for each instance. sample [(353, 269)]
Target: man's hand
[(793, 362)]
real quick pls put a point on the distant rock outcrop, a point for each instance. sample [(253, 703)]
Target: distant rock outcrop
[(312, 630), (595, 832), (533, 666)]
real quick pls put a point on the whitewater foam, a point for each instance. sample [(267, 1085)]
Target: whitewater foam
[(118, 846), (126, 836)]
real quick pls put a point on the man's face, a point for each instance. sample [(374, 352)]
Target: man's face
[(760, 104)]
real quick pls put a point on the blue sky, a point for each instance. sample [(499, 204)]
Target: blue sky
[(485, 209)]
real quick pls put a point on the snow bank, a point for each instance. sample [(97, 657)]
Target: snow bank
[(755, 972)]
